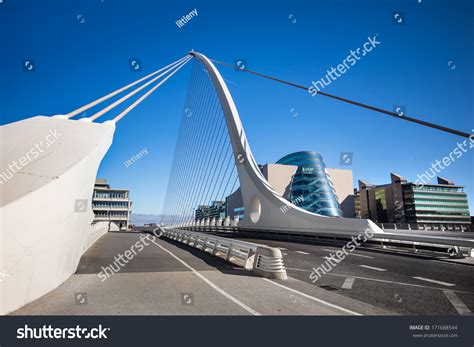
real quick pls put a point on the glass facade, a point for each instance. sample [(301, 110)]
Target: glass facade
[(239, 212), (311, 187), (435, 204), (215, 210), (381, 204), (357, 204)]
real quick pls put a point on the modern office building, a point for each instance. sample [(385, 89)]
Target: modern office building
[(356, 203), (437, 206), (111, 204), (235, 205), (201, 212), (312, 184), (216, 210)]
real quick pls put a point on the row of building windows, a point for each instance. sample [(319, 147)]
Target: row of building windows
[(424, 214), (437, 189), (436, 197), (110, 195), (111, 214), (110, 204), (437, 202), (439, 207)]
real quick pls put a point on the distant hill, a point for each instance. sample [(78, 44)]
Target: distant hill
[(141, 219)]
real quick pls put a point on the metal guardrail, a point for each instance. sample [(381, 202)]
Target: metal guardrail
[(263, 260), (425, 227), (453, 246)]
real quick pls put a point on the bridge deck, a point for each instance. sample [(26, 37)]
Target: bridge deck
[(157, 279)]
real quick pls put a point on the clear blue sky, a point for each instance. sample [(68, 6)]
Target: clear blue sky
[(77, 62)]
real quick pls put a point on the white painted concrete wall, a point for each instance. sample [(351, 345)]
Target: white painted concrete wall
[(344, 186), (43, 230)]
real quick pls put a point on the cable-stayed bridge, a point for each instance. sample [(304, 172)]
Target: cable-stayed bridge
[(213, 159)]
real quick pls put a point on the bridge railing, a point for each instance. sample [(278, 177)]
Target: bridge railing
[(425, 227), (460, 244), (263, 260)]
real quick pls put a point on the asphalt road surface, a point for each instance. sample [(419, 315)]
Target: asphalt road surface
[(403, 283), (164, 277)]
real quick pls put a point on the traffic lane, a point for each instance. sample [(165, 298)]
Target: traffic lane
[(146, 256), (277, 297), (105, 253), (418, 270), (391, 296), (391, 291), (268, 297), (381, 265), (164, 286)]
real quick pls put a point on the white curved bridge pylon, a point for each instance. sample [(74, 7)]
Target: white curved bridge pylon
[(263, 205)]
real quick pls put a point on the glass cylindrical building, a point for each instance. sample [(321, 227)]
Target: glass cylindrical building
[(311, 188)]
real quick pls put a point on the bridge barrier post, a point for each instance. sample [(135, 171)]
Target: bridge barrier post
[(215, 249), (250, 260), (269, 263), (228, 255), (263, 260)]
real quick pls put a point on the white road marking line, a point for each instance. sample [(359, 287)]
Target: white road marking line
[(330, 250), (434, 281), (301, 252), (373, 268), (348, 283), (313, 298), (291, 268), (462, 309), (379, 280), (332, 258), (285, 253), (357, 255), (282, 249), (361, 255), (220, 290)]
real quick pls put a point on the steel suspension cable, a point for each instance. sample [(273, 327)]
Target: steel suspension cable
[(143, 97), (189, 187), (218, 154), (208, 167), (183, 166), (129, 95), (356, 103), (172, 180), (196, 181), (108, 96)]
